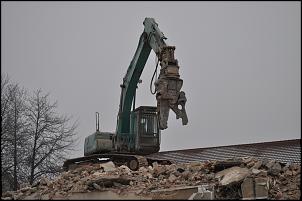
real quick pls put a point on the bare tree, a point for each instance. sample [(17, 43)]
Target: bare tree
[(5, 101), (13, 139), (51, 136), (6, 148), (35, 139)]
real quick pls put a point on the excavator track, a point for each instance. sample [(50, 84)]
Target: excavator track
[(142, 161), (137, 162), (134, 162)]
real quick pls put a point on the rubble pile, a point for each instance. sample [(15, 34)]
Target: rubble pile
[(232, 179)]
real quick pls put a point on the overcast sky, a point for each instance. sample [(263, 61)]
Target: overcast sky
[(240, 63)]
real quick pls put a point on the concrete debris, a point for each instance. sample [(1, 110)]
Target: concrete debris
[(275, 169), (247, 188), (205, 192), (255, 171), (107, 167), (254, 188), (243, 178), (257, 165), (231, 175)]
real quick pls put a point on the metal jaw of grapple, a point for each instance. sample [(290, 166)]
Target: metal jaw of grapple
[(168, 85)]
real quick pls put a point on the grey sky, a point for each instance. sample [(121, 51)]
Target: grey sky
[(240, 62)]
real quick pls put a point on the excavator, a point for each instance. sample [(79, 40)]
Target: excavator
[(138, 130)]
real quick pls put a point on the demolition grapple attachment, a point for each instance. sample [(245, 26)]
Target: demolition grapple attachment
[(167, 87)]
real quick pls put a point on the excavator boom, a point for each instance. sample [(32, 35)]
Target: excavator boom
[(167, 87), (138, 131)]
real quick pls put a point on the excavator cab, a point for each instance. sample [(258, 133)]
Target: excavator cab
[(145, 129)]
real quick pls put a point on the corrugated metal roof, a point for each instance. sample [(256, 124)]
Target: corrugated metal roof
[(282, 151)]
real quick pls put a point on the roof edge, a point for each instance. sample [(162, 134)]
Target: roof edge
[(257, 143)]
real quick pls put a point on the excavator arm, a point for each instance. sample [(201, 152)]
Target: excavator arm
[(137, 131), (167, 86)]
